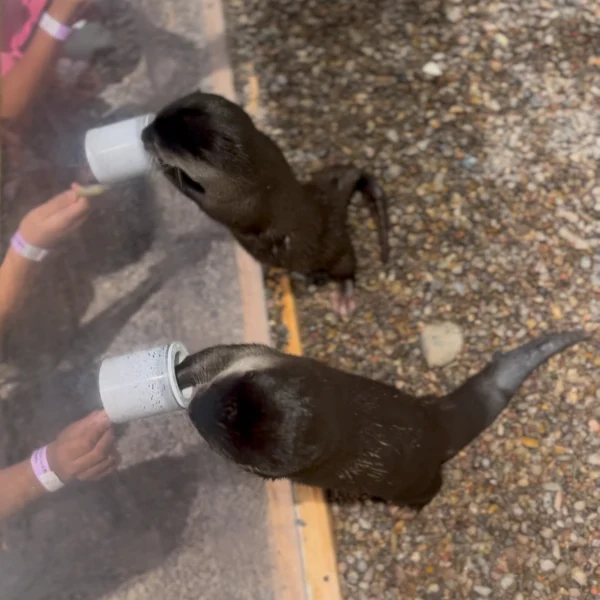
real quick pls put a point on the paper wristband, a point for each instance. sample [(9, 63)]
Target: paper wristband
[(25, 249), (54, 28), (42, 471)]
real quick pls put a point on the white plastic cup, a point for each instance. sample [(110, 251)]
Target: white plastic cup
[(115, 152), (143, 384)]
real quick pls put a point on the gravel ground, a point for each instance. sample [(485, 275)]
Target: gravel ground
[(481, 120)]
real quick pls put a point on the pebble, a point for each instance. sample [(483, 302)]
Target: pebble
[(468, 162), (507, 581), (393, 172), (392, 135), (502, 40), (585, 262), (352, 577), (594, 459), (551, 487), (483, 591), (547, 565), (579, 576), (433, 69), (441, 343), (454, 14)]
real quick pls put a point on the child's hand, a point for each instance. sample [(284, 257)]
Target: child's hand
[(50, 222), (84, 450), (66, 11)]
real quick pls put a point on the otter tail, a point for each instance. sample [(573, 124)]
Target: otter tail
[(474, 406), (378, 205)]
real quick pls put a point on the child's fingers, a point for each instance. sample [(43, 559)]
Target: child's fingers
[(57, 203), (71, 211)]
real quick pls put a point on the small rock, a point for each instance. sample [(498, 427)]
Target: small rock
[(483, 591), (507, 581), (392, 135), (393, 171), (433, 69), (454, 14), (579, 576), (461, 288), (547, 565), (594, 459), (551, 487), (579, 506), (529, 442), (502, 40), (586, 262), (468, 162), (441, 343)]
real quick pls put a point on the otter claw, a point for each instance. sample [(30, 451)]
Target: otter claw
[(343, 304)]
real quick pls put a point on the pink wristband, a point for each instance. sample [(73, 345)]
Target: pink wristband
[(43, 472), (26, 250)]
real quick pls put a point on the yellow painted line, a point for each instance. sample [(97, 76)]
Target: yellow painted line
[(312, 510)]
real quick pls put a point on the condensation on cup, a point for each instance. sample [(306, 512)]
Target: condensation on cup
[(143, 384)]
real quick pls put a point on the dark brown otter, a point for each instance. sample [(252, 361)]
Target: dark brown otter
[(286, 416), (209, 148)]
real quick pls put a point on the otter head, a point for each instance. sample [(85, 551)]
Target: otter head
[(197, 138), (255, 414)]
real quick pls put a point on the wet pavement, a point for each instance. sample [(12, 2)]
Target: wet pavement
[(481, 121)]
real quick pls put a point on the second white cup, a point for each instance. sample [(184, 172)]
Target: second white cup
[(143, 384)]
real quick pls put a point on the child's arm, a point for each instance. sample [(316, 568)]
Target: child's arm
[(19, 487), (85, 450), (15, 274), (43, 227), (22, 82)]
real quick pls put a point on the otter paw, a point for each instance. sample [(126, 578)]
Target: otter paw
[(343, 304)]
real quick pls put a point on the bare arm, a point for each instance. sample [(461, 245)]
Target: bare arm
[(85, 450), (22, 82), (16, 273), (19, 488), (42, 227)]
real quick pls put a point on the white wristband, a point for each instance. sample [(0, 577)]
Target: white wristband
[(48, 478), (54, 28), (27, 250)]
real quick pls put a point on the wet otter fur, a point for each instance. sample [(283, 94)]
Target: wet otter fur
[(283, 416), (210, 149)]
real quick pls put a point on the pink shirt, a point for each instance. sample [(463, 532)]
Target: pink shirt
[(19, 17)]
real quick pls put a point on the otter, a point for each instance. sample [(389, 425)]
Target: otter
[(282, 416), (209, 148)]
